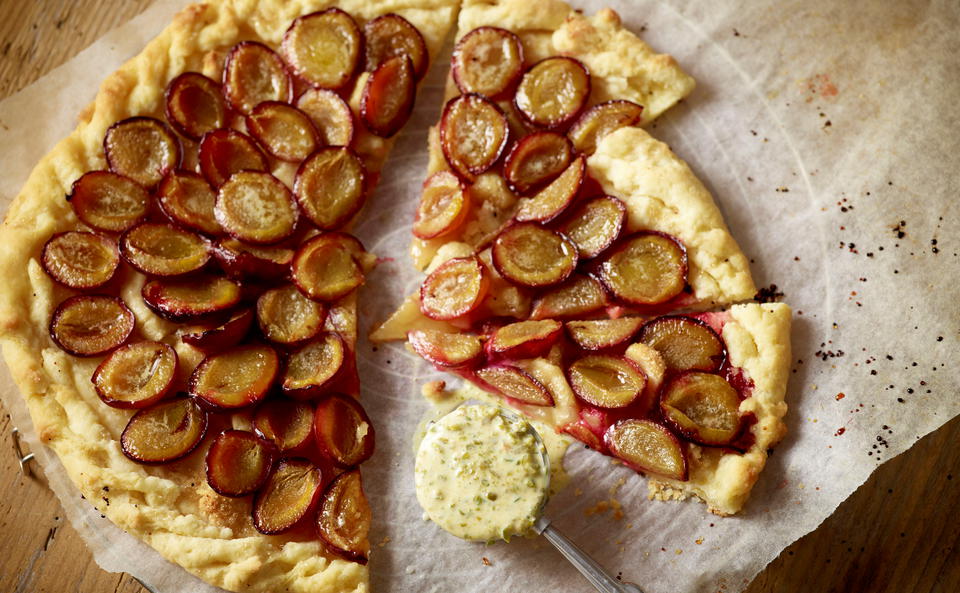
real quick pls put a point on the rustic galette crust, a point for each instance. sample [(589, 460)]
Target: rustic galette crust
[(170, 507), (662, 193), (758, 343)]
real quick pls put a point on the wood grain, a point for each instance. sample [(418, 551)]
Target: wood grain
[(899, 533)]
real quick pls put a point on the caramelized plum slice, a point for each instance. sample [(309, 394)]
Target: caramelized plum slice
[(473, 134), (323, 48), (109, 202), (164, 432), (599, 334), (256, 207), (515, 384), (595, 225), (313, 368), (684, 343), (580, 295), (454, 289), (80, 260), (702, 407), (248, 262), (388, 94), (91, 325), (536, 159), (343, 431), (183, 299), (290, 493), (344, 518), (141, 148), (225, 152), (648, 268), (647, 446), (600, 120), (531, 255), (451, 350), (553, 91), (236, 378), (331, 186), (163, 250), (330, 114), (524, 339), (286, 423), (444, 206), (227, 335), (254, 73), (488, 61), (606, 381), (194, 105), (288, 317), (283, 130), (552, 200), (136, 375), (389, 36), (325, 269), (238, 463), (187, 200)]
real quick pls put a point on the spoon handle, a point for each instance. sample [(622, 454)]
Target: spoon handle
[(587, 566)]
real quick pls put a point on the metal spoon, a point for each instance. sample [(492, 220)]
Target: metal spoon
[(588, 567)]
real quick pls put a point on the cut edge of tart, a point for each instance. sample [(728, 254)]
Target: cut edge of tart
[(53, 383)]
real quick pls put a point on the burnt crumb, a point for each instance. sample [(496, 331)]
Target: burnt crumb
[(106, 488), (106, 500), (825, 354), (939, 338), (827, 124), (783, 189), (750, 179), (901, 400), (768, 294), (898, 229)]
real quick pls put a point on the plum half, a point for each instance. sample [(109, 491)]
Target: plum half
[(194, 297), (323, 48), (647, 268), (580, 295), (188, 200), (291, 491), (516, 384), (647, 446), (454, 289), (254, 73), (325, 268), (141, 148), (235, 378), (238, 463), (684, 343), (488, 61), (387, 100), (452, 350), (595, 224), (80, 260), (164, 432), (600, 120), (109, 202), (256, 207), (389, 36), (523, 339), (702, 407), (286, 423), (606, 381), (163, 250), (551, 201), (283, 130), (600, 334), (330, 186), (224, 152), (552, 92), (91, 325), (194, 105), (529, 254), (344, 518), (136, 375), (535, 160), (473, 134), (343, 431), (444, 206), (287, 317)]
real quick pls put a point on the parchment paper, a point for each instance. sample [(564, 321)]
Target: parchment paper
[(827, 132)]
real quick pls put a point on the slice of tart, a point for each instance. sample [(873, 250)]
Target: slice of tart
[(554, 231), (183, 324)]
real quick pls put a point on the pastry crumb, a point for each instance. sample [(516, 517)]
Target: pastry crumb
[(435, 391)]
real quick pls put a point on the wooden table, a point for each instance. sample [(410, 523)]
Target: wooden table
[(900, 532)]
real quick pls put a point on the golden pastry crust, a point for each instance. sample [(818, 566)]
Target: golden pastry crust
[(663, 194), (758, 342), (170, 507)]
